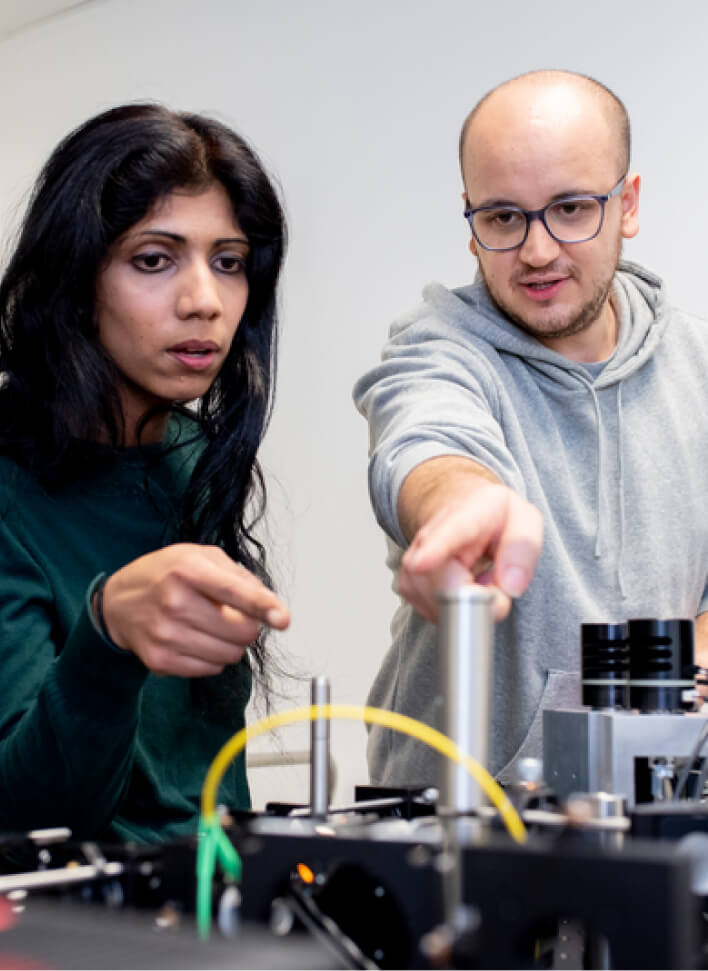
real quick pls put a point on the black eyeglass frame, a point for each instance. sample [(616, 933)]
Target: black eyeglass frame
[(531, 214)]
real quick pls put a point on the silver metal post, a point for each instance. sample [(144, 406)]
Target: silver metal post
[(599, 805), (465, 638), (319, 751)]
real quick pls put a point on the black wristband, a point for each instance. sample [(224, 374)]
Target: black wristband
[(98, 607)]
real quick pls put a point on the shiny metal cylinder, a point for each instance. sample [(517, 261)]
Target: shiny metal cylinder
[(319, 751), (609, 805), (465, 635), (465, 644), (603, 805)]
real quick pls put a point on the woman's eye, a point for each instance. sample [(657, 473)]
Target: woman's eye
[(229, 264), (151, 262)]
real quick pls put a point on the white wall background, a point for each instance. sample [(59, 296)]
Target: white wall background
[(355, 108)]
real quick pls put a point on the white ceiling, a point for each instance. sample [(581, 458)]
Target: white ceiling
[(16, 14)]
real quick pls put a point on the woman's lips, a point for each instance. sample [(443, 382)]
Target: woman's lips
[(195, 355)]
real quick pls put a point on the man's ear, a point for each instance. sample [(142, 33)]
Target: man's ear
[(630, 205), (472, 244)]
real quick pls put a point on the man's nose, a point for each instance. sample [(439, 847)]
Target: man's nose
[(539, 247), (198, 295)]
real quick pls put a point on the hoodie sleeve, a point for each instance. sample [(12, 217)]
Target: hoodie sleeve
[(430, 396), (68, 717)]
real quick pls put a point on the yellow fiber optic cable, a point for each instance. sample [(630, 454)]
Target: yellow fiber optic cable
[(372, 716), (214, 844)]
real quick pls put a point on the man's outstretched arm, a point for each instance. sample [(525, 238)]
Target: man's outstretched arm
[(464, 526)]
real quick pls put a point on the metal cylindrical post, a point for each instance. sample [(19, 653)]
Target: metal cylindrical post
[(319, 751), (465, 640), (465, 635), (601, 806)]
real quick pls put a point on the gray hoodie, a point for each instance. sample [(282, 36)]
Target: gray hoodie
[(614, 457)]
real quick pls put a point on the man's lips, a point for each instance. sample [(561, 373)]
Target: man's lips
[(540, 289)]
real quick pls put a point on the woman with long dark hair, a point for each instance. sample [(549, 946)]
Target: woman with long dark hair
[(138, 331)]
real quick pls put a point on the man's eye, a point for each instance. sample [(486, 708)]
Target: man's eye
[(574, 209), (502, 218), (150, 262)]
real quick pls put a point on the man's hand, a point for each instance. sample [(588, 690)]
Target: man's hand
[(700, 652), (468, 528), (188, 610)]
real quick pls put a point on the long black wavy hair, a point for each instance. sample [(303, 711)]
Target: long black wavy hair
[(61, 389)]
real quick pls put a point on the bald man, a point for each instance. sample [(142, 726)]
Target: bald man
[(540, 430)]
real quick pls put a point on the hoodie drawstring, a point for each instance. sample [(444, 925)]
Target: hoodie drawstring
[(598, 490), (620, 492), (599, 545)]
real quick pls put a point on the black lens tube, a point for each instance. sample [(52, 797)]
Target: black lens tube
[(605, 665), (661, 663)]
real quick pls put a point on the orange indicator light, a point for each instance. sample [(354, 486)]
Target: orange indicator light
[(305, 873)]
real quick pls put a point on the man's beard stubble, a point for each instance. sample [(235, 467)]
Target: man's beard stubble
[(584, 318)]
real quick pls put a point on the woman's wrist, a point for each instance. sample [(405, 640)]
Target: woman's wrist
[(97, 608)]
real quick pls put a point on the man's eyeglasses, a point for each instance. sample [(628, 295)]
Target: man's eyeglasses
[(573, 219)]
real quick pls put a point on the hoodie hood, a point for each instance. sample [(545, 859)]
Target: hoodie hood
[(637, 294)]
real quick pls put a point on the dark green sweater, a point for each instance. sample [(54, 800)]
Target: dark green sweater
[(88, 737)]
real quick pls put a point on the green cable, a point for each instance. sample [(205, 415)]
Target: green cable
[(206, 863), (228, 855), (214, 845)]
